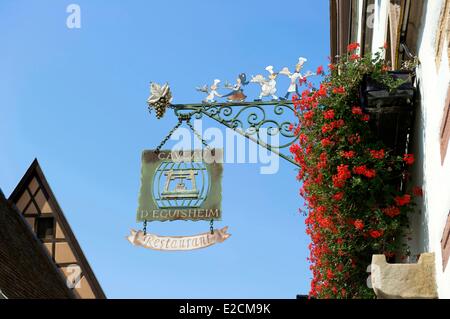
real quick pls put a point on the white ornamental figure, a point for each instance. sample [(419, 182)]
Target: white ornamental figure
[(295, 77), (268, 86), (237, 90), (211, 91)]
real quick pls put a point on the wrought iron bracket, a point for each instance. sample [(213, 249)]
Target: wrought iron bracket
[(248, 119)]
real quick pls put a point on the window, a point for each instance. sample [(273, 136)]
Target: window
[(445, 128), (45, 227)]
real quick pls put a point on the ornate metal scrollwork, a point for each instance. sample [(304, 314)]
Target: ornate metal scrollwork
[(258, 121)]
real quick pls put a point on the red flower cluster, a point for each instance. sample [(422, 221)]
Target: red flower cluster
[(320, 70), (348, 154), (365, 118), (363, 170), (354, 139), (409, 159), (326, 142), (323, 161), (338, 196), (352, 47), (417, 191), (291, 127), (376, 233), (339, 90), (343, 174), (403, 200), (357, 110), (303, 139), (377, 154), (335, 143), (326, 128), (328, 115), (359, 224), (391, 211)]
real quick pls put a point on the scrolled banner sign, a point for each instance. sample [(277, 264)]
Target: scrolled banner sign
[(177, 243)]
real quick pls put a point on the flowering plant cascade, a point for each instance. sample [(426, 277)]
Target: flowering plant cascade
[(351, 182)]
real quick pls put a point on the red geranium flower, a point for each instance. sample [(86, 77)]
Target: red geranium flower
[(343, 172), (377, 154), (348, 154), (328, 115), (294, 149), (359, 224), (330, 274), (291, 127), (308, 115), (402, 200), (319, 70), (409, 159), (417, 191), (352, 46), (376, 233), (338, 196), (354, 139), (303, 138), (386, 68), (327, 128), (363, 170), (338, 123), (339, 90), (357, 110), (326, 142), (391, 211)]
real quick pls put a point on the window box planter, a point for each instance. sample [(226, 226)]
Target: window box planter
[(391, 112), (376, 95)]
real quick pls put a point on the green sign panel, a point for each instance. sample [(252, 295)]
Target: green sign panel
[(181, 185)]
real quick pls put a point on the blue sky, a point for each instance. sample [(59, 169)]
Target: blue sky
[(75, 99)]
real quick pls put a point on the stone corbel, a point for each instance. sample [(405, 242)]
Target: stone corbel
[(404, 281)]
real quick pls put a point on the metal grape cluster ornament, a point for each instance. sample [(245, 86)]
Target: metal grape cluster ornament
[(160, 98), (186, 185)]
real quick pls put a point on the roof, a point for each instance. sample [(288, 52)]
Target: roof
[(35, 172), (26, 271)]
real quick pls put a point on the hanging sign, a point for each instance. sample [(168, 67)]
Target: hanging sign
[(181, 185), (175, 243)]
